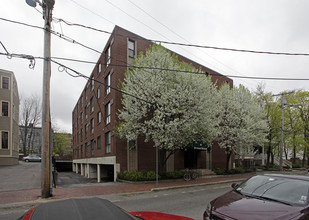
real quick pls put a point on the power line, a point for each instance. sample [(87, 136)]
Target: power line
[(186, 71), (178, 35), (193, 45), (30, 57), (177, 43), (92, 12), (78, 74)]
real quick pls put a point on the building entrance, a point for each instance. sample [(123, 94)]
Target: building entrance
[(190, 159)]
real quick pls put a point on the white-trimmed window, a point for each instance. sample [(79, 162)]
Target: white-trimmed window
[(107, 113), (131, 48), (5, 82), (107, 84), (5, 108), (99, 117), (4, 140)]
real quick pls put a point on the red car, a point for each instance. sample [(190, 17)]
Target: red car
[(269, 196), (92, 209)]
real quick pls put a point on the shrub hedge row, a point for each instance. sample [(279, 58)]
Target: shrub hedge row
[(144, 175)]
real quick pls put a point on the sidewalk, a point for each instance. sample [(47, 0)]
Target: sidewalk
[(96, 189)]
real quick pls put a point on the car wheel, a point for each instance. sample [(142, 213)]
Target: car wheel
[(27, 161)]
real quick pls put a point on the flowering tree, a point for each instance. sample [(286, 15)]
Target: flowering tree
[(167, 104), (242, 125)]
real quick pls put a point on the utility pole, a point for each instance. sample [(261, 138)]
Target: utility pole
[(47, 6), (283, 103), (45, 167)]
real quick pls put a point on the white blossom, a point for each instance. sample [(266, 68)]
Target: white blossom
[(173, 107)]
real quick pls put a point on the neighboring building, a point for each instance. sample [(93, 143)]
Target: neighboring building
[(97, 152), (32, 140), (9, 118)]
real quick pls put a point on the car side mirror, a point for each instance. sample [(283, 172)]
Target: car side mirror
[(234, 185)]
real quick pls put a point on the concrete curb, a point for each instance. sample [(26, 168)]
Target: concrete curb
[(194, 185)]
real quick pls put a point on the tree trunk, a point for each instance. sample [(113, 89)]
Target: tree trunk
[(228, 157)]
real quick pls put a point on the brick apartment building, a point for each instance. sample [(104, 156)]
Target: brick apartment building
[(97, 152)]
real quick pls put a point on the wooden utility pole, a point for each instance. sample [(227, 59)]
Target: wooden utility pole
[(47, 6), (45, 167), (283, 104)]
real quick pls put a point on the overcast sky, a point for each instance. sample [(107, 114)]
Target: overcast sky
[(260, 25)]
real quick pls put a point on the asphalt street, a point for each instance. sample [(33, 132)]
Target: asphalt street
[(22, 176)]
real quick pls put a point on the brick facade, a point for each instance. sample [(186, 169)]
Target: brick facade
[(95, 147)]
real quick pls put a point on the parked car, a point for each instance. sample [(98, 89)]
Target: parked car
[(32, 158), (92, 209), (269, 196)]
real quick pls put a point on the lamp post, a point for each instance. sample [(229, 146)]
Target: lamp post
[(47, 6)]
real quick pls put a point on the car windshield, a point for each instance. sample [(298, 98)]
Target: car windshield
[(285, 190)]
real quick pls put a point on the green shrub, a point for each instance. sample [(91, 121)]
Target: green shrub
[(142, 175), (219, 171), (174, 174), (237, 170), (296, 165)]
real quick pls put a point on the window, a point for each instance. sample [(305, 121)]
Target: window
[(99, 68), (92, 83), (92, 147), (108, 56), (91, 105), (86, 130), (5, 82), (108, 113), (81, 151), (5, 109), (108, 142), (99, 116), (5, 140), (86, 149), (99, 92), (107, 84), (86, 116), (85, 91), (81, 118), (92, 125), (131, 48), (99, 142)]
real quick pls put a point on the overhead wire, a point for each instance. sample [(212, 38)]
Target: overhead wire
[(185, 71), (182, 44), (181, 37), (78, 74), (32, 59)]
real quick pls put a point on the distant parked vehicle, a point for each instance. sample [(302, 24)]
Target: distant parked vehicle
[(32, 158)]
